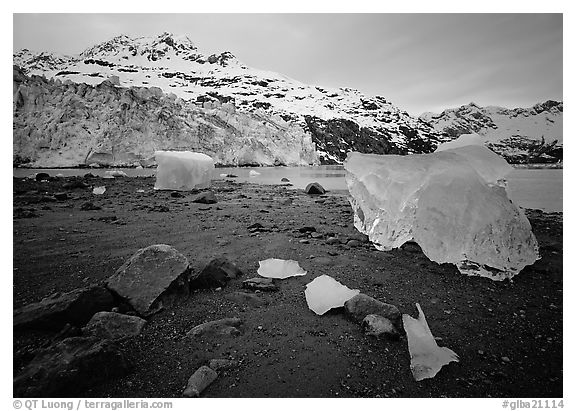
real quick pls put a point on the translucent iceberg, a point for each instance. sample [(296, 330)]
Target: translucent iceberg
[(426, 358), (325, 293), (183, 170), (452, 203), (276, 268)]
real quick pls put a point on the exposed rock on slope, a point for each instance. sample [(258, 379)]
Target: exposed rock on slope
[(521, 135), (336, 120), (69, 124)]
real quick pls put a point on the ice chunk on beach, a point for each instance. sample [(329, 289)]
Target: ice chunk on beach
[(449, 202), (325, 293), (114, 173), (253, 173), (426, 358), (99, 190), (277, 268), (183, 170)]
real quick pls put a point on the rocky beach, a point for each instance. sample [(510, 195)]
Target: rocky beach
[(507, 334)]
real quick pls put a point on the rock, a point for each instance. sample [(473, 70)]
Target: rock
[(259, 283), (314, 188), (316, 235), (218, 364), (353, 243), (42, 177), (113, 326), (176, 194), (75, 307), (359, 306), (332, 240), (66, 368), (286, 201), (360, 237), (231, 176), (223, 327), (89, 176), (89, 206), (378, 326), (255, 227), (246, 298), (61, 196), (307, 229), (216, 274), (206, 197), (155, 276), (74, 184), (411, 247), (199, 381), (159, 208), (284, 180)]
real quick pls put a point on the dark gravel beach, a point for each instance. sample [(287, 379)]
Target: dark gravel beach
[(507, 334)]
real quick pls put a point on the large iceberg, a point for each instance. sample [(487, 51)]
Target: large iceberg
[(183, 170), (452, 203)]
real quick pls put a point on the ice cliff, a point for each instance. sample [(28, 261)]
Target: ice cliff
[(64, 124)]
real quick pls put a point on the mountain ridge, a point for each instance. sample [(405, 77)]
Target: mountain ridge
[(337, 120)]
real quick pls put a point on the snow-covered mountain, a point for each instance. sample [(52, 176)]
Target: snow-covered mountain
[(521, 135), (334, 120)]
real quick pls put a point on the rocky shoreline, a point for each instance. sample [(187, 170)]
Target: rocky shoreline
[(507, 334)]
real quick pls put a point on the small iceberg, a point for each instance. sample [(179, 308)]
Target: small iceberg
[(99, 190), (276, 268), (426, 358), (325, 293)]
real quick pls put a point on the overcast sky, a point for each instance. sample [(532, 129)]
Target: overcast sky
[(419, 62)]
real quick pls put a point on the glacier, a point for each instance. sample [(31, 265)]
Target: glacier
[(453, 203), (183, 170)]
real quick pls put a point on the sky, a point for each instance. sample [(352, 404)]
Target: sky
[(419, 62)]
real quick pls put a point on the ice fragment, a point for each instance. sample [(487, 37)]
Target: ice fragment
[(99, 190), (325, 293), (276, 268), (426, 358), (449, 202), (183, 170), (253, 173)]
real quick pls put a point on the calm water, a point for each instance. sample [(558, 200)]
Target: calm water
[(529, 188)]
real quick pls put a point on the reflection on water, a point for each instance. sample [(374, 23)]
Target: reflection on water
[(529, 188)]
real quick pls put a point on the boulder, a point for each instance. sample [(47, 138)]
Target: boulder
[(260, 283), (154, 277), (379, 326), (216, 274), (75, 307), (113, 326), (69, 366), (42, 177), (206, 197), (314, 188), (359, 306), (223, 327), (199, 381)]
